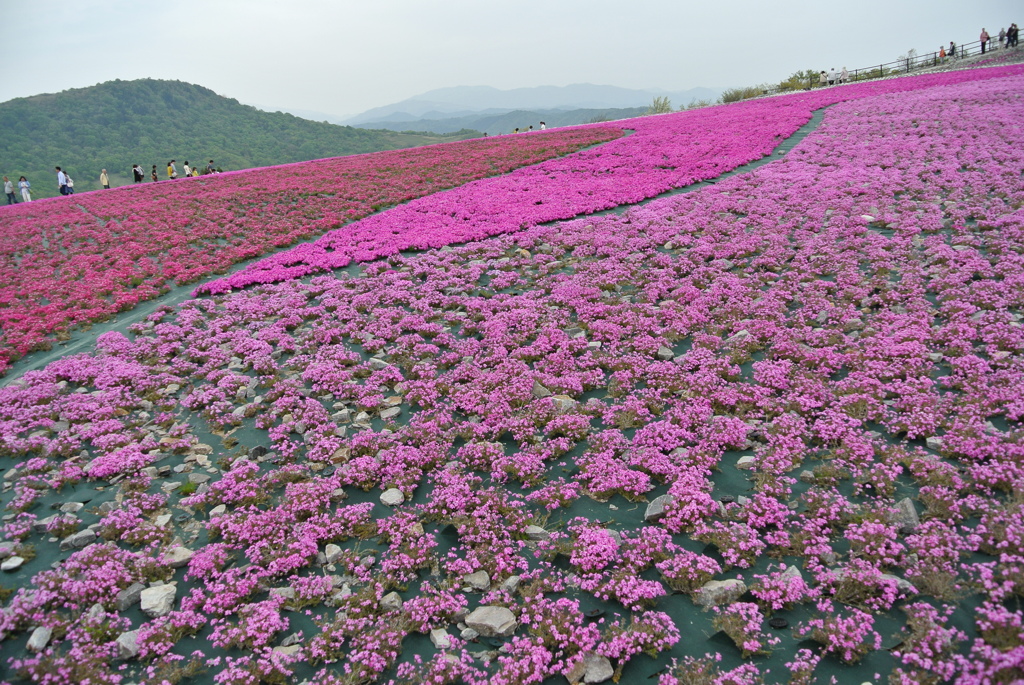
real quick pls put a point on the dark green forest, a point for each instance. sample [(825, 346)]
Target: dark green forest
[(119, 123)]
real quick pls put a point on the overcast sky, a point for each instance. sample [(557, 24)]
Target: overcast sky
[(342, 57)]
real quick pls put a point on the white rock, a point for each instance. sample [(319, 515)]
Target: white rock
[(332, 553), (11, 564), (159, 600), (218, 510), (716, 592), (479, 581), (39, 639), (127, 645), (392, 497), (746, 463), (492, 621), (391, 602), (178, 557), (441, 638)]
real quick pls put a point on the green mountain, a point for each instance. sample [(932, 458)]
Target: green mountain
[(119, 123)]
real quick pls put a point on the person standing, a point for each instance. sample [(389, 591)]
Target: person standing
[(104, 181), (62, 182), (952, 50), (1012, 35), (832, 76), (543, 126), (71, 184), (210, 169), (1002, 38), (153, 174), (942, 53), (984, 39), (823, 79), (9, 189), (137, 174), (188, 169), (25, 185), (844, 76)]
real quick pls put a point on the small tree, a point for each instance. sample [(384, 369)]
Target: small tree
[(696, 104), (660, 105), (799, 80)]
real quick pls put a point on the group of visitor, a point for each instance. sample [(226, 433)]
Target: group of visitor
[(543, 127), (23, 185), (833, 77), (139, 174), (66, 185)]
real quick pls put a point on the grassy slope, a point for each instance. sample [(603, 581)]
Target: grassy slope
[(119, 123)]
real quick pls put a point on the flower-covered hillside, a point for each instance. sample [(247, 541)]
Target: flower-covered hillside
[(775, 422), (71, 261), (665, 152)]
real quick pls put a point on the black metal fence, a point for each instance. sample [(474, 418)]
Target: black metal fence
[(912, 62)]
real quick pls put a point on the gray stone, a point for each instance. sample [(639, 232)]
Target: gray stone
[(807, 476), (746, 463), (664, 353), (293, 639), (391, 602), (564, 404), (39, 639), (289, 650), (71, 507), (598, 668), (539, 391), (158, 601), (390, 413), (377, 364), (441, 638), (717, 592), (536, 533), (392, 497), (40, 525), (331, 553), (128, 645), (656, 509), (79, 540), (468, 634), (198, 478), (7, 549), (906, 516), (738, 338), (492, 621), (178, 557), (218, 510), (511, 584), (934, 443), (286, 592), (11, 564), (479, 581), (129, 597)]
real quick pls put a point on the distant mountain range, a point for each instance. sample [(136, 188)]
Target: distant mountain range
[(478, 106), (119, 123)]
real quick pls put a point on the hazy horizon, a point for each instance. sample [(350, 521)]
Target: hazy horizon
[(342, 58)]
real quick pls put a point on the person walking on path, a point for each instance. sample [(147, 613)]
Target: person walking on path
[(823, 79), (1011, 35), (137, 173), (62, 181), (9, 189), (984, 39), (23, 183), (153, 174), (172, 171), (952, 50), (71, 184), (104, 181), (188, 169), (1002, 38), (844, 76), (210, 169)]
